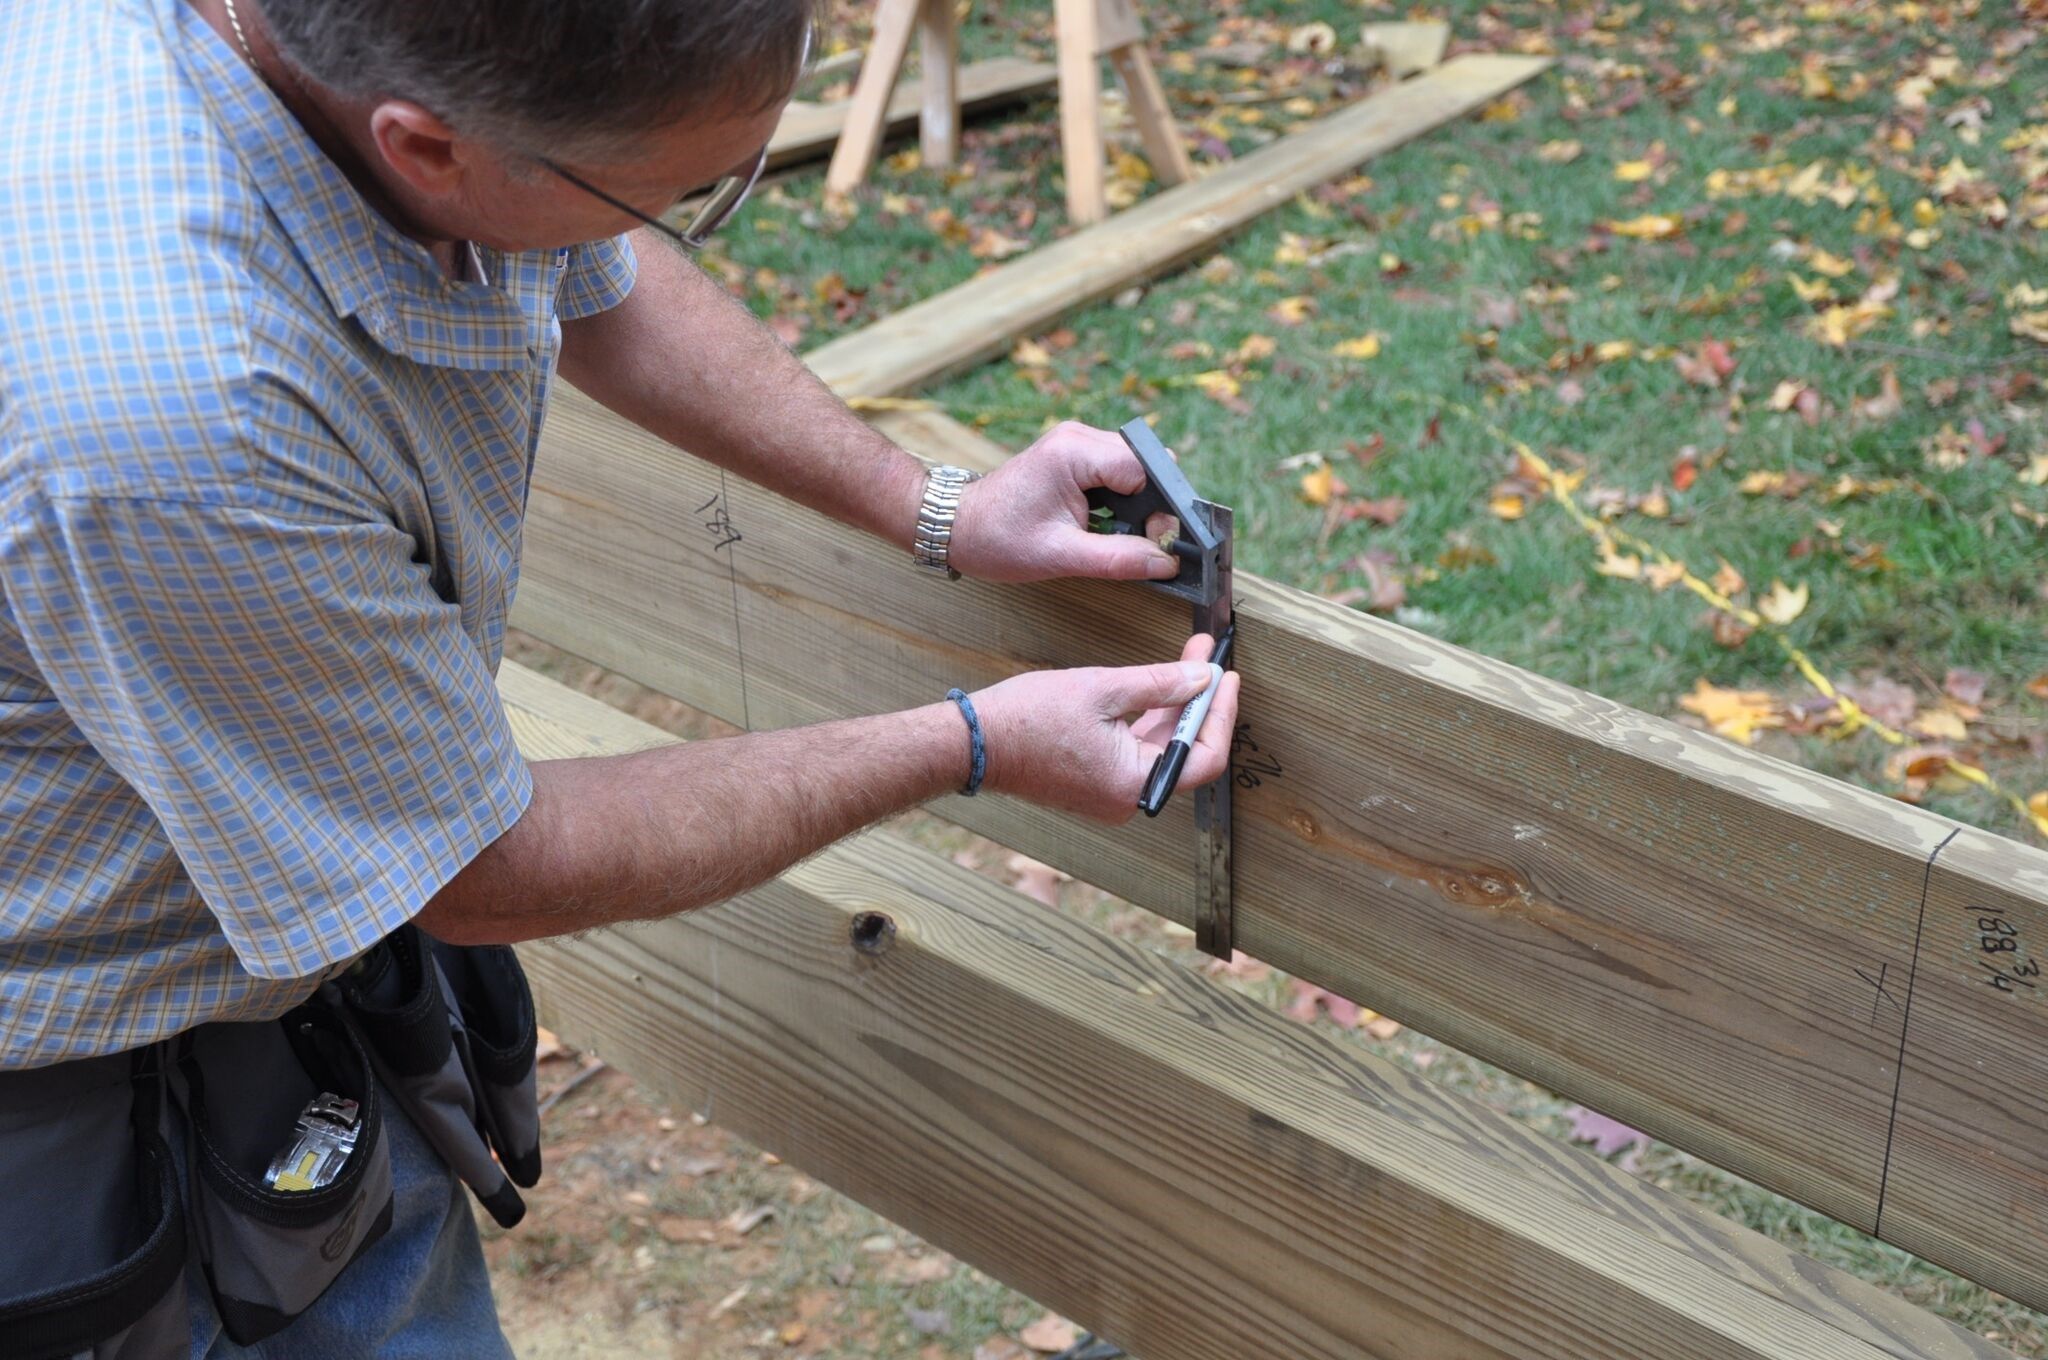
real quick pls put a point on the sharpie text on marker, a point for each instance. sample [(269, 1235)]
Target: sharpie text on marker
[(1166, 769)]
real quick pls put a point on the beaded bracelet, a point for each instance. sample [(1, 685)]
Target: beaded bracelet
[(980, 763)]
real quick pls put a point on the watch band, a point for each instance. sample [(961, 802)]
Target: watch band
[(933, 542)]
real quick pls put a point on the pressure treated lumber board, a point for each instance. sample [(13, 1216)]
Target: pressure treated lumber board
[(1645, 918), (979, 318), (808, 130), (1169, 1163)]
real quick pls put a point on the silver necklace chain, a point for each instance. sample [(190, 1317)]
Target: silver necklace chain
[(235, 22)]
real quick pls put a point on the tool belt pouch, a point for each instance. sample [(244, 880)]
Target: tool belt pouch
[(92, 1228), (269, 1253), (451, 1031)]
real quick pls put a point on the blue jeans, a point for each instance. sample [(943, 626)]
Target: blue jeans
[(421, 1290)]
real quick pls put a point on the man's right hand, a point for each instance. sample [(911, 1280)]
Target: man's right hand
[(1084, 740)]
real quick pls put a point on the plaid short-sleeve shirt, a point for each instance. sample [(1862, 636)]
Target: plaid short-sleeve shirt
[(262, 474)]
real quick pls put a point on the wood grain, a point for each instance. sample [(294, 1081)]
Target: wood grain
[(1650, 920), (1169, 1163), (938, 37), (981, 317)]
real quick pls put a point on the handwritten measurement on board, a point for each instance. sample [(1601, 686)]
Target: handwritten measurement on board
[(2005, 964), (1250, 766), (719, 526)]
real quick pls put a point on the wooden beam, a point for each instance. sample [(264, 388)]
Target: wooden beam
[(1171, 1164), (981, 317), (938, 35), (1405, 48), (810, 130), (1081, 146), (1713, 945)]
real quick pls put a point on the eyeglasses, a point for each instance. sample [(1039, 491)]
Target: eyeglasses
[(718, 206), (716, 209)]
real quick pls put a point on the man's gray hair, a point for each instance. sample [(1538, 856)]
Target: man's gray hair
[(565, 76)]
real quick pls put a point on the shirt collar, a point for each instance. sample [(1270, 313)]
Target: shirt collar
[(367, 269)]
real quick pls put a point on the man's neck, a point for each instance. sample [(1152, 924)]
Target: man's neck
[(327, 118)]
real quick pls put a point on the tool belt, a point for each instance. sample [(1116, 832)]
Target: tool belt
[(98, 1226)]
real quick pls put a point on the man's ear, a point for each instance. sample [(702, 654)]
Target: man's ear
[(422, 149)]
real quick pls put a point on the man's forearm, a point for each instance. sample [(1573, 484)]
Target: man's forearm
[(615, 838), (682, 358)]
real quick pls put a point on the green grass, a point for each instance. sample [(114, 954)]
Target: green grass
[(1939, 573)]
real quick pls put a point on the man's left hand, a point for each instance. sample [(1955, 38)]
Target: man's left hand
[(1028, 520)]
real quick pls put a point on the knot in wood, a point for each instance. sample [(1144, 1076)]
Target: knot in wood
[(872, 932), (1304, 824)]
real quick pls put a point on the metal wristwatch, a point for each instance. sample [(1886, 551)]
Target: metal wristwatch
[(935, 515)]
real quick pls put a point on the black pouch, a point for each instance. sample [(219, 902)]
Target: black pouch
[(270, 1253), (92, 1227), (451, 1031)]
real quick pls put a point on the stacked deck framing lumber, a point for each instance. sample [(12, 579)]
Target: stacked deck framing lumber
[(1169, 1163)]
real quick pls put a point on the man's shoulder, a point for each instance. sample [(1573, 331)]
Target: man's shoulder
[(125, 301)]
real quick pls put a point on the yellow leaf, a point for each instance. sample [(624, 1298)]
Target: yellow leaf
[(1612, 351), (1292, 311), (1560, 152), (1840, 324), (1664, 575), (1925, 214), (1648, 227), (2036, 473), (1735, 714), (1631, 172), (1783, 395), (1834, 266), (2037, 808), (1656, 505), (1625, 566), (1811, 290), (1508, 506), (1254, 348), (2030, 326), (1216, 383), (1030, 354), (1728, 581), (1782, 603), (1940, 724), (1318, 485), (1364, 347), (1762, 483)]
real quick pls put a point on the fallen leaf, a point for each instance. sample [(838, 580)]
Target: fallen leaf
[(1049, 1334), (1508, 507), (1253, 348), (1887, 403), (1626, 566), (1030, 354), (1735, 714), (1630, 172), (990, 244), (1364, 347), (1664, 575), (1648, 227), (1728, 581), (1560, 152), (1834, 266), (676, 1228), (1939, 724), (1319, 485), (1884, 699), (1782, 603), (790, 1333), (547, 1044), (1966, 686), (1040, 882), (1292, 311)]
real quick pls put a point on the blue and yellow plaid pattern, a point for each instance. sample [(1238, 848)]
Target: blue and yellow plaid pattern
[(262, 474)]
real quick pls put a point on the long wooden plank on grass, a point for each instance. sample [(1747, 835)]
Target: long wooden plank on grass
[(980, 318), (1165, 1161), (808, 130), (1715, 946)]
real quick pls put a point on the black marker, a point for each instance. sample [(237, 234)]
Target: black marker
[(1166, 769)]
